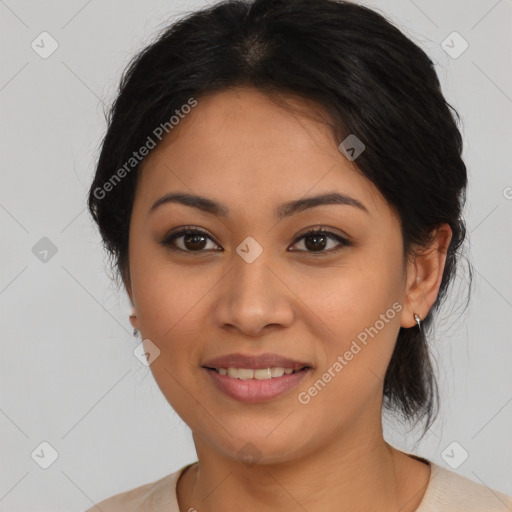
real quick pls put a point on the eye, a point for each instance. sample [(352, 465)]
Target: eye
[(188, 239), (195, 240), (316, 240)]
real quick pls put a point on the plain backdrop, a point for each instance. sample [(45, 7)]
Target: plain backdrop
[(68, 374)]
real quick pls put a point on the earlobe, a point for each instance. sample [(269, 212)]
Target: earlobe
[(425, 274), (133, 319)]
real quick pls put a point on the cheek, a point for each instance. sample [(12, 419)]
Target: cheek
[(359, 309), (351, 379), (171, 309), (168, 295), (348, 298)]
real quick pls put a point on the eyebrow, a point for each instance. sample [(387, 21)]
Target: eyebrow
[(285, 210)]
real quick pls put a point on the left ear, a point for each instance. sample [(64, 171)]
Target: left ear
[(424, 276)]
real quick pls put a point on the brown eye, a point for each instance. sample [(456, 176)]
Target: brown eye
[(195, 240), (188, 240), (317, 240)]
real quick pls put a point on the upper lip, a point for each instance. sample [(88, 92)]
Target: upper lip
[(254, 361)]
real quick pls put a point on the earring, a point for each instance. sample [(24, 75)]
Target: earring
[(133, 315), (418, 320)]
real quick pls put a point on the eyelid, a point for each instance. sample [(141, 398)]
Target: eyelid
[(322, 229), (328, 232), (183, 230)]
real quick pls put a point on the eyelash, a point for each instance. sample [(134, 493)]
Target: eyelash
[(168, 241)]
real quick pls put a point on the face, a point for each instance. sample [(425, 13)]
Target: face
[(254, 282)]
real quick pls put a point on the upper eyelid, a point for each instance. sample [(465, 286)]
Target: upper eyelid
[(315, 229), (343, 240)]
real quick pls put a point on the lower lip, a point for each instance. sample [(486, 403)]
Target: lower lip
[(253, 390)]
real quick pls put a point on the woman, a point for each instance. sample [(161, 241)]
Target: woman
[(280, 189)]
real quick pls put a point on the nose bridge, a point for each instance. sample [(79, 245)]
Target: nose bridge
[(252, 296), (250, 284)]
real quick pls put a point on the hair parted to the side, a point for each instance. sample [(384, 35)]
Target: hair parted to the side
[(364, 73)]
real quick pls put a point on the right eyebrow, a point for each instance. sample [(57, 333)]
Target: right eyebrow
[(202, 203)]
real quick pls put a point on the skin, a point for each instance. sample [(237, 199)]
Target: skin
[(243, 150)]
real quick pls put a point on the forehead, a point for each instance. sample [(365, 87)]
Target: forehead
[(239, 145)]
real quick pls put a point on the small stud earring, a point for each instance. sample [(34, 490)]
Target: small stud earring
[(418, 320)]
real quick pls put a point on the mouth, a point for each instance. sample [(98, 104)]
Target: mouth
[(253, 378), (256, 385), (274, 372)]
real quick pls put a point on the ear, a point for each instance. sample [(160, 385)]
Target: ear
[(128, 288), (424, 276), (133, 319)]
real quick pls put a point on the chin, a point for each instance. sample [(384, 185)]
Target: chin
[(258, 448)]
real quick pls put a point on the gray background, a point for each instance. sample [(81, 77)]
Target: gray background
[(68, 373)]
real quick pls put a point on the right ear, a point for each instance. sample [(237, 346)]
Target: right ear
[(128, 287), (133, 319)]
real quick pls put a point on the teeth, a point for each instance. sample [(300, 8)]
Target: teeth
[(245, 374), (277, 372), (259, 374)]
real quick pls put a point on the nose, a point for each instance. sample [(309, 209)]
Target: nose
[(253, 298)]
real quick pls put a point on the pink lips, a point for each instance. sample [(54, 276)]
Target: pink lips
[(266, 360), (253, 390)]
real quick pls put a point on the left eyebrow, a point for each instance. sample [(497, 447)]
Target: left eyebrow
[(300, 205), (285, 210)]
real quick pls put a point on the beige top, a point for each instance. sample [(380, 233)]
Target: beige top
[(447, 491)]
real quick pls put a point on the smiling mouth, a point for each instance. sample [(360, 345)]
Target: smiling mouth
[(273, 372), (256, 385)]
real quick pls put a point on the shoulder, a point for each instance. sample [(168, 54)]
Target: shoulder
[(448, 490), (152, 497)]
